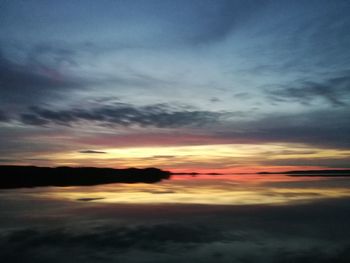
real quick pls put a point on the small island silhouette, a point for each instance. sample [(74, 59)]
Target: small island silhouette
[(12, 176)]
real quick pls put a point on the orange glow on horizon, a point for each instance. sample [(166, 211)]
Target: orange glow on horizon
[(248, 169), (218, 158)]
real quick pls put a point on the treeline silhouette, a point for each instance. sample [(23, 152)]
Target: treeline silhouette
[(32, 176)]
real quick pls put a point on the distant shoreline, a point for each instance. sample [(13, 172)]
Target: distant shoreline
[(312, 173), (33, 176), (13, 176), (345, 172)]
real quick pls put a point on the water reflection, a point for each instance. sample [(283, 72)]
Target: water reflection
[(245, 218), (207, 189)]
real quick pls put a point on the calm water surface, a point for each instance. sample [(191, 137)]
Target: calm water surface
[(201, 189), (204, 218)]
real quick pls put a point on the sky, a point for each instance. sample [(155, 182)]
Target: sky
[(180, 85)]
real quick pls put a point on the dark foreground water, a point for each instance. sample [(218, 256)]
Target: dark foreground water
[(246, 218)]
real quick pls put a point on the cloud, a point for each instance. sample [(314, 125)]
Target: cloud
[(339, 162), (214, 99), (145, 138), (3, 117), (31, 83), (88, 199), (158, 115), (314, 255), (329, 128), (163, 156), (336, 91), (325, 128), (91, 151), (56, 55), (213, 22), (7, 161)]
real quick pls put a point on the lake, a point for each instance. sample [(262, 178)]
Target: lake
[(202, 218)]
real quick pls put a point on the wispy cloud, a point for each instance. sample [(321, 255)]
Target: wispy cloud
[(92, 152), (159, 115), (323, 128), (335, 91), (30, 83), (3, 116)]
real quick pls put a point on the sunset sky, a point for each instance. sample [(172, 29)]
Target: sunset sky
[(181, 85)]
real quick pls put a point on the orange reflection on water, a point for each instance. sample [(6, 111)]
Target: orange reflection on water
[(207, 189)]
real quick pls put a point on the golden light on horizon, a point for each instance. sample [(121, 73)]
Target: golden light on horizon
[(216, 156)]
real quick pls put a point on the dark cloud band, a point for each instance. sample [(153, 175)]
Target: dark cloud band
[(160, 115), (335, 91)]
